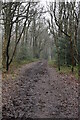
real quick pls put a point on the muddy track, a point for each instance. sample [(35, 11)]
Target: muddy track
[(40, 92)]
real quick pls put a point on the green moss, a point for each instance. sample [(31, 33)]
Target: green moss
[(18, 64), (52, 63), (64, 69), (67, 70)]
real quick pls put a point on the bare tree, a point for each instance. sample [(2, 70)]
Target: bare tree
[(14, 12)]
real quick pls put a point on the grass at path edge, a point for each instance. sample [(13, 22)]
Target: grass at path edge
[(14, 68), (64, 69)]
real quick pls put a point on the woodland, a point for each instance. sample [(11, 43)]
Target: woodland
[(40, 57), (31, 30)]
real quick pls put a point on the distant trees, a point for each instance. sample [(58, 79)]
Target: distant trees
[(34, 37), (36, 31)]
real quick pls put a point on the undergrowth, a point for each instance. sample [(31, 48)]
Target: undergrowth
[(64, 69)]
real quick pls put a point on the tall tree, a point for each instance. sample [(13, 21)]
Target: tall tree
[(17, 12)]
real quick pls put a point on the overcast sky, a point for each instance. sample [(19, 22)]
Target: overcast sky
[(42, 1)]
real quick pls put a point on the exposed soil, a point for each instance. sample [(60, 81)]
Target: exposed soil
[(40, 92)]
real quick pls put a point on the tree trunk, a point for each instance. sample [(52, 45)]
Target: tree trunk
[(72, 55), (4, 51), (7, 66), (58, 61), (79, 68)]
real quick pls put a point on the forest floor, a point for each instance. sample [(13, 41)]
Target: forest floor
[(39, 91)]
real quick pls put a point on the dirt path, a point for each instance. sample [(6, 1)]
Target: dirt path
[(40, 92)]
